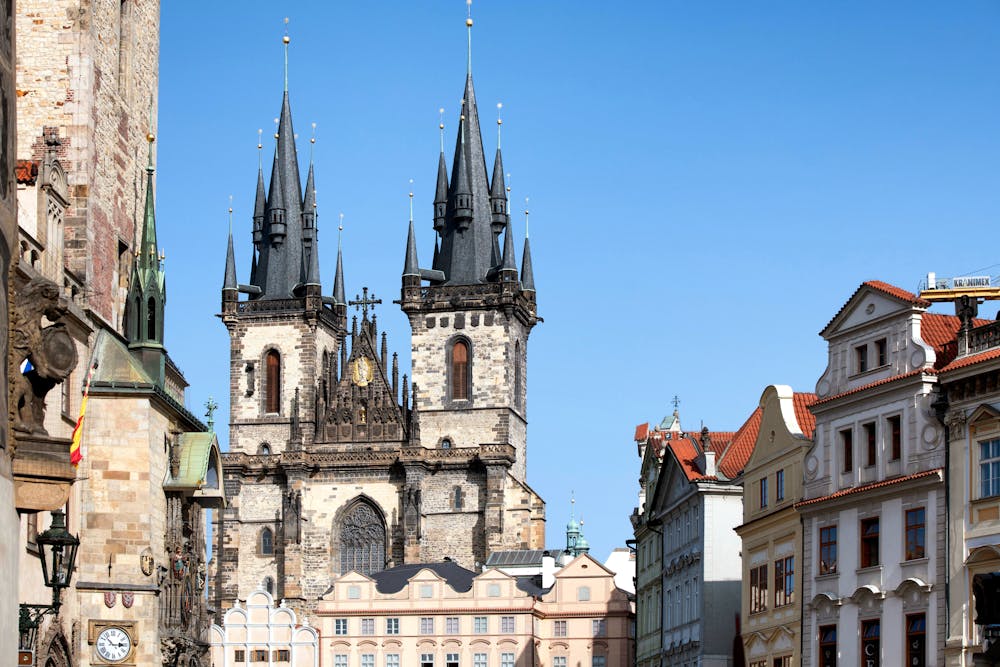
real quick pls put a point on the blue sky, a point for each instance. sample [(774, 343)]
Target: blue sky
[(708, 183)]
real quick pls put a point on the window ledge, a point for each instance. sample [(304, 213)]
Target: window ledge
[(870, 568), (915, 561), (827, 576), (870, 371)]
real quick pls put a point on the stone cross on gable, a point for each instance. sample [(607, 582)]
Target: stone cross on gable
[(211, 406), (362, 303)]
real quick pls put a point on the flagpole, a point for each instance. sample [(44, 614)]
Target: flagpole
[(75, 455)]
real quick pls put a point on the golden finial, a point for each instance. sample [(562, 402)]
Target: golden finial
[(163, 255), (508, 184), (230, 215), (441, 126), (468, 26), (275, 128), (468, 18), (150, 137), (341, 226), (285, 40), (312, 139), (411, 200), (526, 213), (499, 121)]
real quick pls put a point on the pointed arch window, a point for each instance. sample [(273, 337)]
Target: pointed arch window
[(362, 540), (272, 393), (267, 542), (460, 371), (151, 319), (137, 318), (517, 374)]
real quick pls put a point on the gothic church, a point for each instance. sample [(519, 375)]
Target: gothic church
[(335, 464)]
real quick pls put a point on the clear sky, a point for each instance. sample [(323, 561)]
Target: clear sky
[(708, 183)]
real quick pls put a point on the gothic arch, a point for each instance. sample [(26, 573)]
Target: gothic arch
[(56, 652), (359, 539), (271, 362), (458, 362)]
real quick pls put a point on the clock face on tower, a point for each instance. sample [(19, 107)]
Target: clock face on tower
[(113, 645)]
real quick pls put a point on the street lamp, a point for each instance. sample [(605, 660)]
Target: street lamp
[(57, 552)]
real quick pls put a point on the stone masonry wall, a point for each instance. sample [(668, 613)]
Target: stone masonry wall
[(90, 68), (493, 415)]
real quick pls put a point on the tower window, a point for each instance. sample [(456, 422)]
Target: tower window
[(517, 374), (460, 371), (266, 542), (151, 319), (272, 400), (459, 498)]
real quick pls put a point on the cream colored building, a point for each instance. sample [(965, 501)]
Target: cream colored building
[(771, 603), (261, 632), (442, 615)]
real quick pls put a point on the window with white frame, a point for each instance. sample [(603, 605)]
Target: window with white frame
[(507, 624), (989, 468), (451, 625), (559, 628), (559, 661), (479, 660), (367, 626), (426, 660), (392, 626), (480, 625), (583, 593), (599, 661), (340, 626), (391, 660), (367, 660), (506, 660), (340, 660), (451, 660), (600, 627), (427, 625)]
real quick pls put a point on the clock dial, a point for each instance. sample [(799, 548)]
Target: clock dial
[(113, 644)]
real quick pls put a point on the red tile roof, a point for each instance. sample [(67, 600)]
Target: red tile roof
[(806, 419), (26, 172), (686, 453), (641, 431), (877, 383), (884, 288), (867, 487), (971, 360), (738, 453), (897, 292)]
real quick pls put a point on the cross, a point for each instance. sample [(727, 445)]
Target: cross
[(211, 406), (676, 401), (362, 303)]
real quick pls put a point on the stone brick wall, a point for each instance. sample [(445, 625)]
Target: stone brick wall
[(90, 69)]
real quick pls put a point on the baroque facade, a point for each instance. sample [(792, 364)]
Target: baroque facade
[(771, 533), (337, 464)]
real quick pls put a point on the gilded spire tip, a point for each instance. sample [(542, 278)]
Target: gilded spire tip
[(411, 200), (468, 26), (499, 122), (441, 126), (285, 40)]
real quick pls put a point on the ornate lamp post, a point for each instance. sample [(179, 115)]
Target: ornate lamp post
[(57, 552)]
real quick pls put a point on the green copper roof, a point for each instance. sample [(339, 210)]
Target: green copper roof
[(115, 362), (200, 465)]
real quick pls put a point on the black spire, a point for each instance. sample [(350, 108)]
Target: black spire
[(410, 265), (310, 235), (338, 280), (527, 275), (281, 266), (441, 196), (498, 202), (229, 283), (467, 252)]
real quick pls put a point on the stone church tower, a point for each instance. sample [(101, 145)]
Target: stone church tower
[(337, 464)]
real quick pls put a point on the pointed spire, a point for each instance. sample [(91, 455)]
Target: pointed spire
[(441, 194), (148, 251), (260, 203), (410, 265), (338, 280), (509, 263), (229, 283), (527, 274), (461, 191)]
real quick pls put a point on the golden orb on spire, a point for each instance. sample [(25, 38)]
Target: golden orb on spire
[(150, 138), (286, 39), (468, 22)]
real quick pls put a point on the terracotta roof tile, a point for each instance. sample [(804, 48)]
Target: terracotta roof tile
[(867, 487), (26, 172), (641, 431), (971, 360), (738, 453), (806, 419), (877, 383), (897, 292), (885, 288), (686, 454)]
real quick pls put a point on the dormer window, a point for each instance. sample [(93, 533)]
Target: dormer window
[(861, 358)]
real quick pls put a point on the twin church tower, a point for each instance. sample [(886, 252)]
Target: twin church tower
[(336, 463)]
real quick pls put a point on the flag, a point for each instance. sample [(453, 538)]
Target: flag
[(75, 455)]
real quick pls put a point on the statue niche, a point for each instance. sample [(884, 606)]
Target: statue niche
[(49, 351)]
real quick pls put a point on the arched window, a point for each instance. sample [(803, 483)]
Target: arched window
[(272, 400), (268, 585), (446, 443), (138, 321), (151, 319), (266, 542), (264, 448), (460, 371), (517, 373), (362, 540), (458, 498)]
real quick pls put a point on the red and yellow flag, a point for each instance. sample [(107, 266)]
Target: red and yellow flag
[(75, 455)]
